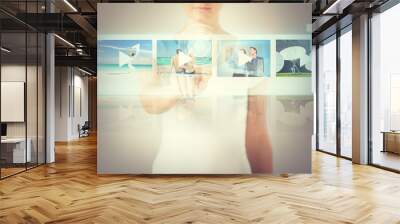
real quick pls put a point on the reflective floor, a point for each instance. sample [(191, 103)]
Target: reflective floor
[(387, 159), (70, 191)]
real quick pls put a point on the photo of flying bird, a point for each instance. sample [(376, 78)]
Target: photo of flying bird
[(129, 55)]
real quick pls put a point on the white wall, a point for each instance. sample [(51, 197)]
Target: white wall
[(79, 117), (61, 103), (34, 125), (16, 73), (70, 83)]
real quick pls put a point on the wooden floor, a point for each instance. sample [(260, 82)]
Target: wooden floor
[(5, 172), (387, 159), (69, 191)]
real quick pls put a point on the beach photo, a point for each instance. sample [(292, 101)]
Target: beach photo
[(185, 57)]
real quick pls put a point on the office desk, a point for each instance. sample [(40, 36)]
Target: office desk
[(391, 141), (13, 150)]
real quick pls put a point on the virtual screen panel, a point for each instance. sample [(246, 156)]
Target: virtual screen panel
[(202, 92)]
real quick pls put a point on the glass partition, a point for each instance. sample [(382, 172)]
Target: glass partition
[(22, 67), (327, 96), (346, 93), (32, 82), (14, 153), (41, 97), (31, 98), (385, 89)]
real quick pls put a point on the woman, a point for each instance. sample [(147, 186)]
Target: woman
[(240, 66), (210, 132), (203, 18)]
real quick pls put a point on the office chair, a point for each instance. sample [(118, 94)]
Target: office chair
[(84, 130)]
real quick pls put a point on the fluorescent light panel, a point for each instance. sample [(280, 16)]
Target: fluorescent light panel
[(5, 50), (331, 7), (64, 40), (70, 5), (84, 71)]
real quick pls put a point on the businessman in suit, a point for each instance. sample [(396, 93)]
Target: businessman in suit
[(255, 66)]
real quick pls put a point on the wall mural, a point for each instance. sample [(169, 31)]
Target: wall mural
[(195, 93)]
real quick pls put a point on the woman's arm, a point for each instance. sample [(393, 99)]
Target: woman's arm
[(258, 145), (173, 70), (153, 100)]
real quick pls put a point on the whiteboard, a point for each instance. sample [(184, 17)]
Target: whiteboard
[(12, 101)]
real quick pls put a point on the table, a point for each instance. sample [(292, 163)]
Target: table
[(15, 148), (391, 141)]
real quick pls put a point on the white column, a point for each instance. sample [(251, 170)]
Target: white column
[(360, 90), (50, 92), (50, 99), (63, 103)]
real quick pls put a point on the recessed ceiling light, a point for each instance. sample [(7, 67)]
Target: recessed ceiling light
[(326, 11), (64, 40)]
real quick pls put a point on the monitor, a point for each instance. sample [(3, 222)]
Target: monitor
[(3, 129)]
